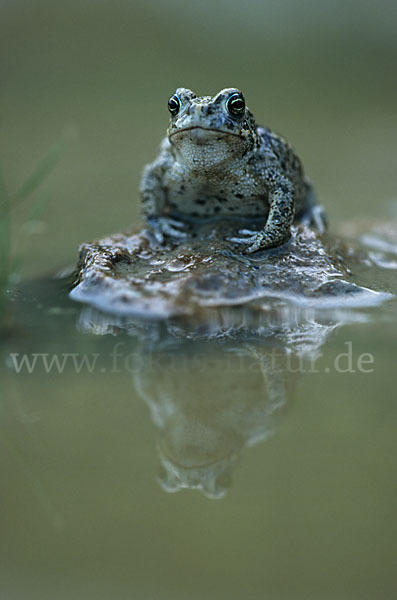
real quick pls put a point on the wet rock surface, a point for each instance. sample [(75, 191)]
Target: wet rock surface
[(132, 274)]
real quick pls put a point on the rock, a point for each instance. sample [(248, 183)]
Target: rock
[(131, 274)]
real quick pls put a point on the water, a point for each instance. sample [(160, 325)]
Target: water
[(283, 429), (280, 440)]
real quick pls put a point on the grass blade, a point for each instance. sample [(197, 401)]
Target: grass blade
[(43, 169), (5, 237)]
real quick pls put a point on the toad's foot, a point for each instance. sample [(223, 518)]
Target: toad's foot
[(315, 217), (257, 240), (167, 227)]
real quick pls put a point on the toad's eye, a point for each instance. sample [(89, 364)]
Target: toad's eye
[(236, 105), (174, 105)]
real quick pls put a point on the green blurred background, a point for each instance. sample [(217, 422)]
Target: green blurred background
[(323, 74)]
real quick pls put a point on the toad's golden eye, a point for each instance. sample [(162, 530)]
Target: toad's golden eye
[(236, 105), (174, 105)]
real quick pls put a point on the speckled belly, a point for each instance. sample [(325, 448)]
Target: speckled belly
[(205, 203)]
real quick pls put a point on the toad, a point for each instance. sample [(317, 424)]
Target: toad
[(217, 163)]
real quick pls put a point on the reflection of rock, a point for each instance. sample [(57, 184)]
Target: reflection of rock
[(132, 275), (209, 406)]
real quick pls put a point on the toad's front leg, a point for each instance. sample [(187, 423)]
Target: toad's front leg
[(277, 230), (154, 205)]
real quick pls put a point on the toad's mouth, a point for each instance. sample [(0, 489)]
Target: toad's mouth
[(199, 132)]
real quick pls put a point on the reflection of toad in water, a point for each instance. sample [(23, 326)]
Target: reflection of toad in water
[(211, 399), (208, 410)]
